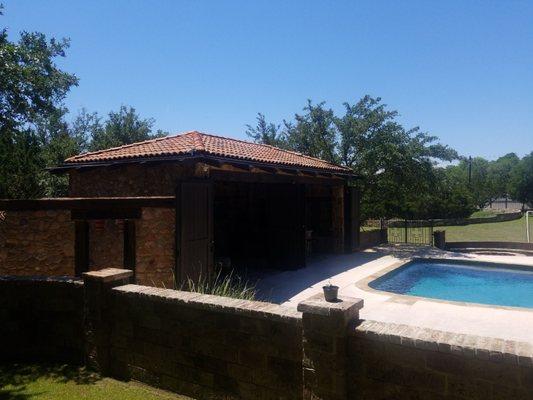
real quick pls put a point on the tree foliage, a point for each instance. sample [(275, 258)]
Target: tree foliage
[(34, 132), (397, 164), (32, 89), (124, 126), (521, 180)]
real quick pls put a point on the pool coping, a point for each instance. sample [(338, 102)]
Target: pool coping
[(363, 284)]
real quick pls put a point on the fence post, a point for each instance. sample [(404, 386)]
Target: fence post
[(98, 285), (325, 336), (405, 229)]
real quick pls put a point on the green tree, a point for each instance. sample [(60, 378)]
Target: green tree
[(265, 132), (397, 163), (500, 172), (57, 142), (32, 89), (122, 127), (521, 182), (313, 133)]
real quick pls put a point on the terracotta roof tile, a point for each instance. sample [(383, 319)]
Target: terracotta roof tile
[(202, 143)]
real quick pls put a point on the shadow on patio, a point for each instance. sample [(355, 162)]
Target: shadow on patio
[(280, 287)]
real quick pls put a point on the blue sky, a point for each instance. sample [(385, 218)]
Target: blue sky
[(461, 70)]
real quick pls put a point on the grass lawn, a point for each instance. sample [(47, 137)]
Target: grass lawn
[(509, 231), (51, 382), (483, 214)]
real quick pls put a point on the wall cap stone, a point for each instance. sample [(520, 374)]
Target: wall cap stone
[(472, 346), (108, 274), (318, 306), (38, 278), (250, 308)]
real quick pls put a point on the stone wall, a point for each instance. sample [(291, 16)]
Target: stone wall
[(156, 247), (36, 243), (511, 216), (372, 238), (41, 319), (106, 244), (128, 180), (390, 361), (41, 243)]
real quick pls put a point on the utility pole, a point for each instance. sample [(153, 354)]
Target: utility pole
[(469, 170)]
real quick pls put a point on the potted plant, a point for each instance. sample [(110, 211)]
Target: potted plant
[(330, 292)]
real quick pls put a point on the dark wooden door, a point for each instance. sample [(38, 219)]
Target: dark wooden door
[(351, 219), (286, 221), (194, 230)]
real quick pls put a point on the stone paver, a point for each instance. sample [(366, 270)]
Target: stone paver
[(291, 287)]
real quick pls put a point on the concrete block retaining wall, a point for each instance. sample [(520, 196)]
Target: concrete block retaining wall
[(390, 361), (204, 345), (213, 347), (372, 238), (41, 319)]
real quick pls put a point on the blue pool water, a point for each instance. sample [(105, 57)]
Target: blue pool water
[(476, 282)]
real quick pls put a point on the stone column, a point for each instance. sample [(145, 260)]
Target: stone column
[(325, 331), (98, 285)]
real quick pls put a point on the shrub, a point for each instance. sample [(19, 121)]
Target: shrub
[(228, 285)]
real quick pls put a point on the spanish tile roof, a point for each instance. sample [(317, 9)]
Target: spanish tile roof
[(197, 143)]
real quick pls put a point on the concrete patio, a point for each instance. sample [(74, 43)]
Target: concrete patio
[(291, 287)]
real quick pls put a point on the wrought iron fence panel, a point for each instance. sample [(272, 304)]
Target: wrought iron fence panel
[(417, 232)]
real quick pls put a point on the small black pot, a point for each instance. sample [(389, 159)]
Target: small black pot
[(331, 293)]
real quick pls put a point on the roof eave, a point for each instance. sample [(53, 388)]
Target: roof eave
[(199, 157)]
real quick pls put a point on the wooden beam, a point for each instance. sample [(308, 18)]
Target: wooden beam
[(129, 245), (85, 203), (233, 176), (81, 247)]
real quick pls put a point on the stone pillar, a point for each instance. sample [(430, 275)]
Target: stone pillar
[(97, 316), (325, 331)]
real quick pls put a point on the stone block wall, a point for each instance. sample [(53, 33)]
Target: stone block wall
[(213, 347), (41, 319), (36, 243), (390, 361), (206, 346)]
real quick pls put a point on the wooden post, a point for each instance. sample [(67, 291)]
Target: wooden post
[(129, 245), (351, 219), (81, 247)]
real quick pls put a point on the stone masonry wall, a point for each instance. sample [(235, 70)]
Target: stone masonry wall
[(36, 243), (390, 361), (155, 254), (106, 244), (203, 345), (42, 319), (127, 180)]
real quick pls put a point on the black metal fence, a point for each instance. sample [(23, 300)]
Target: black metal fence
[(418, 232)]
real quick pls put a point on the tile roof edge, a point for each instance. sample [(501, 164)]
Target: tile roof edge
[(124, 146), (199, 146), (274, 147)]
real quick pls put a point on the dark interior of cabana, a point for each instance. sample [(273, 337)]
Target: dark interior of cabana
[(273, 225), (251, 222)]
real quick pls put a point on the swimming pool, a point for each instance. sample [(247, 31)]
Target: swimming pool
[(469, 281)]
